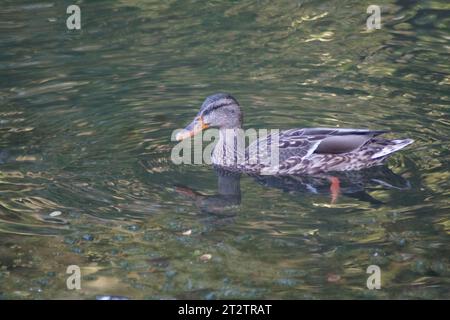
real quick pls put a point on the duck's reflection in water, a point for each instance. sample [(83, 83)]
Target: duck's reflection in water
[(224, 205), (354, 184)]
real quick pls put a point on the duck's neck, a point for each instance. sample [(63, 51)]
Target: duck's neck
[(229, 151)]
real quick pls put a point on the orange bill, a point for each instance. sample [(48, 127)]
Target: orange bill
[(192, 129)]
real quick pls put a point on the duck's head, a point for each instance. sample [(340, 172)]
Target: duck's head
[(219, 110)]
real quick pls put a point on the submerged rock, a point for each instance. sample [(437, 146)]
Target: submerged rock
[(55, 213), (88, 237)]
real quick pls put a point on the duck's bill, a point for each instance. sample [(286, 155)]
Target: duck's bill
[(192, 129)]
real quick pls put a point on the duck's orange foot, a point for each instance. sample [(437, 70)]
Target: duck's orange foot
[(335, 189)]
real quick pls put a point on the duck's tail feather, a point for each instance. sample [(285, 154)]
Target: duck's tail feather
[(391, 147)]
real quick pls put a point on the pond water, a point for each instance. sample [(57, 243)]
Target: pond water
[(86, 178)]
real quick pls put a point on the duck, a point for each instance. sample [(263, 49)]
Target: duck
[(299, 151)]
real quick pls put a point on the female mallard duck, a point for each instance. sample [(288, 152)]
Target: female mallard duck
[(298, 151)]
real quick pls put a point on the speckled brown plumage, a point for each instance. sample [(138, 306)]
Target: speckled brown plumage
[(300, 151)]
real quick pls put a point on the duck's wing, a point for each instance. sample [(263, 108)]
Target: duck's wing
[(296, 145), (331, 140), (276, 148), (285, 147)]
